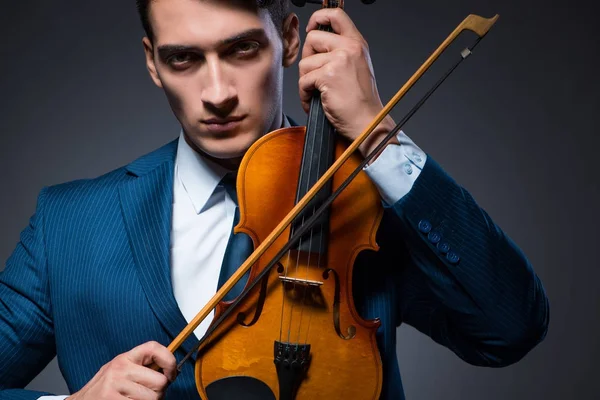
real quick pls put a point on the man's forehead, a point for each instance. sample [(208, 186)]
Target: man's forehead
[(206, 21)]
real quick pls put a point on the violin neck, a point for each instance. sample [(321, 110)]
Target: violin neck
[(318, 156)]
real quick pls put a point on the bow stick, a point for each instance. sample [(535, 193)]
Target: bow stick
[(474, 23)]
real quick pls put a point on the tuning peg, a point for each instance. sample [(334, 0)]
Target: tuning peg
[(301, 3)]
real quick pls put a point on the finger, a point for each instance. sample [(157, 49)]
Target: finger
[(326, 42), (148, 378), (313, 62), (154, 352), (337, 18), (133, 390), (307, 84)]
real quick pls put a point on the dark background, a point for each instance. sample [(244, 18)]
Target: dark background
[(515, 124)]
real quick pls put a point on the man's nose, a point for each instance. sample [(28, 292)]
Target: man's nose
[(218, 92)]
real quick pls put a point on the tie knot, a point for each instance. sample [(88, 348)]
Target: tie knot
[(228, 183)]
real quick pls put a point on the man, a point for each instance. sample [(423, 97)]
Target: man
[(110, 269)]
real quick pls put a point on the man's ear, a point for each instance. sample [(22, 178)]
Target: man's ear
[(291, 39), (149, 52)]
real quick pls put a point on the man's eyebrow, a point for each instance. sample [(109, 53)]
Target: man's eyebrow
[(243, 35), (167, 49)]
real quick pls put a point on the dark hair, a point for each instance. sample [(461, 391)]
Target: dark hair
[(278, 10)]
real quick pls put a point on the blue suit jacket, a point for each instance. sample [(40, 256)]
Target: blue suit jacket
[(90, 279)]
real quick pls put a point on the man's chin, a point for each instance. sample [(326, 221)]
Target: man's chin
[(226, 154), (226, 151)]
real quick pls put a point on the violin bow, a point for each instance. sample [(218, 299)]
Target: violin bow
[(477, 24)]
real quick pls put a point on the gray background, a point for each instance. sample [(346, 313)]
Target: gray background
[(514, 125)]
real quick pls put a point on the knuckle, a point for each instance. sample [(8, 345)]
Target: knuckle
[(162, 382), (152, 343), (343, 56), (171, 362), (357, 49), (103, 369), (118, 360), (118, 366), (330, 70), (112, 372), (154, 346), (301, 66), (302, 82)]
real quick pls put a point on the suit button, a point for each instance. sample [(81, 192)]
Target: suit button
[(452, 257), (434, 237), (443, 247), (424, 226)]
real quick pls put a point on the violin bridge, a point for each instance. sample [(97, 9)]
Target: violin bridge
[(298, 281), (303, 292)]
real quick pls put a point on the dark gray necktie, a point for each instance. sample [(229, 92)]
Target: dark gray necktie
[(239, 246)]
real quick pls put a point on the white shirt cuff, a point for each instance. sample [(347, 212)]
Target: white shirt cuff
[(397, 168), (53, 398)]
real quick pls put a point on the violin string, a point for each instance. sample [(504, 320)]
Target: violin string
[(283, 300), (313, 111), (308, 262), (329, 145), (315, 108), (320, 250), (303, 303), (301, 231), (322, 123), (309, 252), (297, 262)]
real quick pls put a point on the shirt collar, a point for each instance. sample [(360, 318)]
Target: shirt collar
[(199, 175), (286, 122)]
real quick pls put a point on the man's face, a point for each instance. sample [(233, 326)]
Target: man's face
[(221, 67)]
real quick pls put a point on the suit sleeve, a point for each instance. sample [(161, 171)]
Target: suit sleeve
[(467, 285), (26, 330)]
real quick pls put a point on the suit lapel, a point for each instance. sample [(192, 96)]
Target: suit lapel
[(146, 201)]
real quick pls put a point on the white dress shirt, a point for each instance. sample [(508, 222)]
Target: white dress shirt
[(203, 217)]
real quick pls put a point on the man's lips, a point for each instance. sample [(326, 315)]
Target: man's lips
[(223, 120), (222, 124)]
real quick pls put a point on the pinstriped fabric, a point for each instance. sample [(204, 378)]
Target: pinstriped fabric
[(146, 203), (490, 308), (73, 286), (26, 333), (90, 279)]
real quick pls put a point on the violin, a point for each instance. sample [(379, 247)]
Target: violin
[(297, 331), (309, 208)]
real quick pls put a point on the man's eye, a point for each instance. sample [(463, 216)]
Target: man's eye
[(180, 59), (245, 48)]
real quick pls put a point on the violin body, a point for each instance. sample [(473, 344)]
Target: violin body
[(302, 312), (294, 332)]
